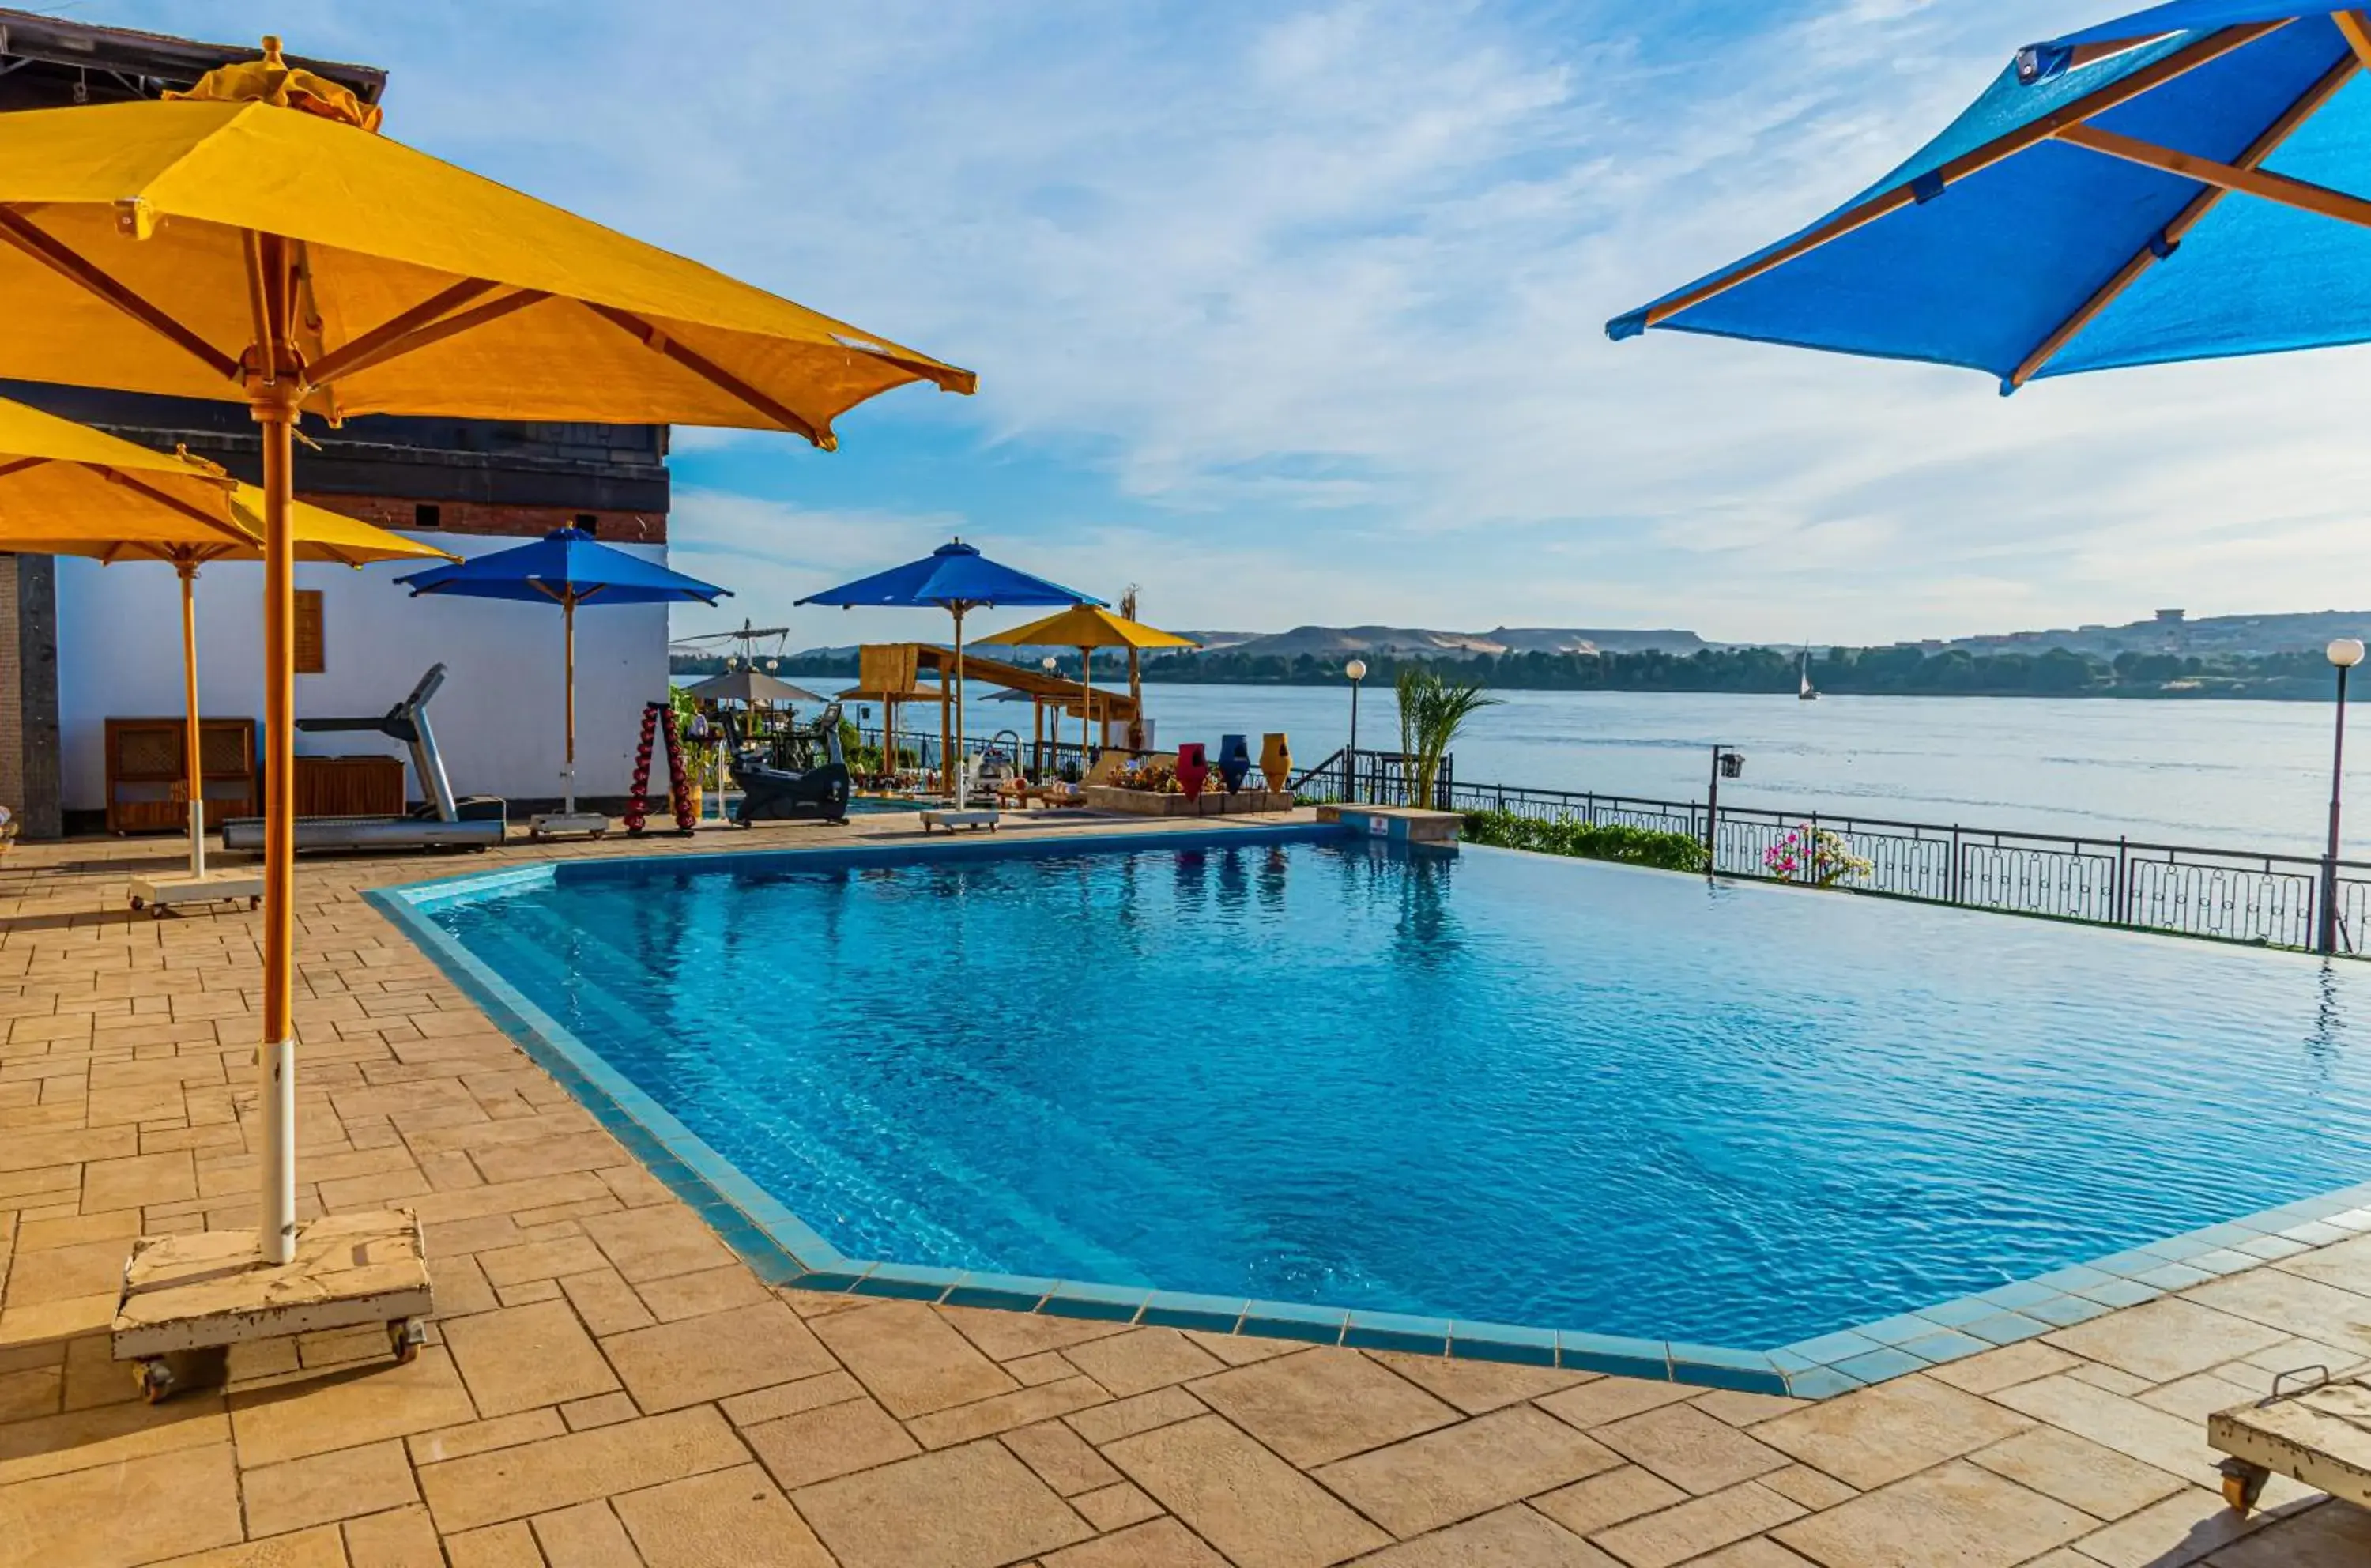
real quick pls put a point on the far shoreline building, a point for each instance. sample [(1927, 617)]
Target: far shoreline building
[(80, 643)]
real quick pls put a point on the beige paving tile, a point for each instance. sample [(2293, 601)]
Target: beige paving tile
[(39, 1321), (1241, 1350), (1760, 1552), (1697, 1527), (789, 1399), (601, 1410), (1006, 1336), (969, 1507), (1002, 1413), (1163, 1543), (1322, 1404), (1477, 1387), (1257, 1510), (1515, 1537), (2174, 1533), (143, 1179), (1955, 1516), (316, 1548), (548, 1157), (2201, 1395), (108, 1435), (1740, 1409), (164, 1505), (710, 1290), (652, 1243), (37, 1390), (909, 1356), (313, 1414), (2303, 1307), (2167, 1442), (1060, 1456), (2329, 1535), (116, 1225), (2346, 1265), (672, 1365), (541, 1260), (1813, 1489), (1690, 1449), (817, 1444), (56, 1273), (1879, 1435), (1587, 1506), (606, 1302), (1458, 1472), (2100, 1481), (520, 1358), (1116, 1506), (502, 1546), (1602, 1400), (400, 1538), (484, 1436), (2004, 1367), (327, 1487), (1142, 1360), (2166, 1339), (732, 1519), (536, 1478), (585, 1536)]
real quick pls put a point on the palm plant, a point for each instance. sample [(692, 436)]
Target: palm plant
[(1433, 711)]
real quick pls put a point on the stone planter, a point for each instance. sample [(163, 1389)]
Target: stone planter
[(1209, 804)]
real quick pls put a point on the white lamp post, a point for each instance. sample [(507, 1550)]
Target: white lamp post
[(1356, 670)]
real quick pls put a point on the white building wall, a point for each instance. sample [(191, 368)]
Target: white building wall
[(498, 720)]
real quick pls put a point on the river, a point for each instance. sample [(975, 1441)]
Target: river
[(2253, 775)]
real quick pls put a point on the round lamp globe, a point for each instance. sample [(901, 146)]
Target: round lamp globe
[(2345, 652), (1356, 669)]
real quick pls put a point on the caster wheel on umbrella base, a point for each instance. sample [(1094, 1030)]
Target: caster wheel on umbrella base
[(404, 1337), (156, 1381), (2243, 1483)]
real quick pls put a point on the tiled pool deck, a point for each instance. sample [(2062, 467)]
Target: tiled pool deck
[(608, 1383)]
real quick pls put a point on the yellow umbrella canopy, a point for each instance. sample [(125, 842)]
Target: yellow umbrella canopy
[(259, 242), (66, 488), (1087, 627)]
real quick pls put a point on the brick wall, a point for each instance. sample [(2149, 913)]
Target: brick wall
[(473, 517), (12, 699)]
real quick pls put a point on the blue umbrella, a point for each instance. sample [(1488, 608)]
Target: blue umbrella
[(2075, 217), (567, 566), (954, 577)]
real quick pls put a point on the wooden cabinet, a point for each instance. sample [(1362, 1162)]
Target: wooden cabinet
[(146, 774), (348, 786)]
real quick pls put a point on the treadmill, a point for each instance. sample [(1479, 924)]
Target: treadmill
[(441, 822)]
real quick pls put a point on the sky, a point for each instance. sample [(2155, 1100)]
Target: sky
[(1292, 313)]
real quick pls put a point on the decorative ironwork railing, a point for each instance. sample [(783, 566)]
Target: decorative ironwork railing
[(2240, 895)]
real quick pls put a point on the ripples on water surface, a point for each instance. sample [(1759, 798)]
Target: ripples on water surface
[(1498, 1088)]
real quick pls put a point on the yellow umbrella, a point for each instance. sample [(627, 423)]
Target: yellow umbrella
[(66, 488), (1087, 627), (257, 243)]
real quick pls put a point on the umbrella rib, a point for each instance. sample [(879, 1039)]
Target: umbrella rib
[(20, 465), (435, 332), (2205, 201), (174, 503), (70, 264), (338, 360), (2303, 195), (658, 340), (2356, 28), (2148, 78)]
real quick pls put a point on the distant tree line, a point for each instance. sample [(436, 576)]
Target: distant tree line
[(1905, 671)]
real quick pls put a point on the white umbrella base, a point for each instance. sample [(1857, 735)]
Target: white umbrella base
[(211, 1288), (550, 824), (952, 820), (160, 894)]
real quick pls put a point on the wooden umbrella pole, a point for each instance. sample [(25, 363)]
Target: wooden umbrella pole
[(568, 634), (1086, 703), (963, 783), (194, 767), (275, 410)]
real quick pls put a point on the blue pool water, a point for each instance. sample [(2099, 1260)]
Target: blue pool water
[(1496, 1086)]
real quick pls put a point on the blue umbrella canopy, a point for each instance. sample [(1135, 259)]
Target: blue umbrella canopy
[(2168, 186), (954, 573), (566, 566)]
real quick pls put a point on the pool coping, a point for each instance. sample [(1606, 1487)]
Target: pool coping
[(786, 1251)]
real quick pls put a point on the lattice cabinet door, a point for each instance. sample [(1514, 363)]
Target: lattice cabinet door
[(146, 782)]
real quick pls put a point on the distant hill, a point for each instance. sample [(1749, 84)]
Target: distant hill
[(2172, 631), (1341, 641)]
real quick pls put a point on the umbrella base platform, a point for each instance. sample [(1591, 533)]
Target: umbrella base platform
[(160, 894), (951, 819), (211, 1288), (549, 824), (2319, 1434)]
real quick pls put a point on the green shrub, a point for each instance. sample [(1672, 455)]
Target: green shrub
[(1630, 846)]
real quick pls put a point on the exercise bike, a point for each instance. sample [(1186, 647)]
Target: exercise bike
[(800, 777)]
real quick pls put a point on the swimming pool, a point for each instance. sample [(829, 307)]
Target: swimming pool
[(1293, 1067)]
